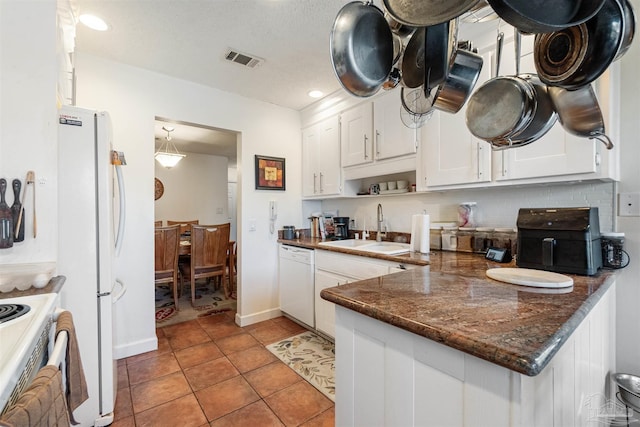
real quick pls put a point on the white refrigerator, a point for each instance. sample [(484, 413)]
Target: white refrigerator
[(91, 208)]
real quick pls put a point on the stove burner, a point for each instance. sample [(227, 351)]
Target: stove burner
[(12, 311)]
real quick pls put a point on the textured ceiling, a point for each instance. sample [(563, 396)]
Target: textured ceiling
[(188, 39)]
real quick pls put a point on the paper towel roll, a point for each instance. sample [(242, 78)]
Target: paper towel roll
[(420, 233)]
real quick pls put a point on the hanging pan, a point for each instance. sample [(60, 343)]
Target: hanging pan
[(543, 16), (452, 94), (361, 46), (578, 55), (422, 13), (579, 113), (412, 64), (510, 111)]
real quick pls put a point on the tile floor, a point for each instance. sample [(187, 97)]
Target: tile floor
[(211, 372)]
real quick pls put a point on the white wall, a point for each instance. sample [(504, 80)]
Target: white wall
[(628, 315), (496, 207), (134, 97), (196, 188), (28, 127)]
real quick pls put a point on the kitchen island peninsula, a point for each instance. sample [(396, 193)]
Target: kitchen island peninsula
[(446, 345)]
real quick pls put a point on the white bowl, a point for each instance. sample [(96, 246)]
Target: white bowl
[(402, 184), (391, 185)]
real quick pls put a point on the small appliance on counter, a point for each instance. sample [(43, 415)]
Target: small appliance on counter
[(289, 232), (564, 240), (341, 227)]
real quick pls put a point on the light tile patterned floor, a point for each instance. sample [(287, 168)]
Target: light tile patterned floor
[(210, 372)]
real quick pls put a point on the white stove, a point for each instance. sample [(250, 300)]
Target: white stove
[(24, 344)]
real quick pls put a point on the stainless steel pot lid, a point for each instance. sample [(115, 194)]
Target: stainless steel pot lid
[(361, 47)]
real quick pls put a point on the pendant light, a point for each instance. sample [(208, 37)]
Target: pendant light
[(167, 155)]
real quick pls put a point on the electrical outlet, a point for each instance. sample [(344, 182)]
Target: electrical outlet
[(629, 204)]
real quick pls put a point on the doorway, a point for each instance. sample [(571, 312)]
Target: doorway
[(203, 185)]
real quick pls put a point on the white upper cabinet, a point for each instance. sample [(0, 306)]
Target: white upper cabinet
[(356, 126), (321, 172), (557, 153), (450, 154), (392, 138)]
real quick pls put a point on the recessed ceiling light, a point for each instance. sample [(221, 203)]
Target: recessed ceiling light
[(94, 22), (315, 94)]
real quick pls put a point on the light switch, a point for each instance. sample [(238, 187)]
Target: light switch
[(252, 224)]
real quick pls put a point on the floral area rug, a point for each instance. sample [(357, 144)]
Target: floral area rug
[(311, 356), (208, 301)]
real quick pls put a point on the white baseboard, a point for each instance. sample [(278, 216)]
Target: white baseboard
[(138, 347), (257, 317)]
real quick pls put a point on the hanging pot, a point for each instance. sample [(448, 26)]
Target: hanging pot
[(422, 13), (629, 29), (577, 55), (361, 46), (579, 113), (510, 111), (543, 16), (461, 79)]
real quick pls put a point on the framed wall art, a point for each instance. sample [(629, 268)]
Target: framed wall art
[(270, 173)]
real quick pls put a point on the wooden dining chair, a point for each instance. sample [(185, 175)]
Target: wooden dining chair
[(157, 223), (209, 244), (167, 245), (232, 264), (184, 225)]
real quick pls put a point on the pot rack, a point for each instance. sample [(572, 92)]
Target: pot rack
[(413, 110)]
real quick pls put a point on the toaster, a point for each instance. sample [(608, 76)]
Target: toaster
[(563, 240)]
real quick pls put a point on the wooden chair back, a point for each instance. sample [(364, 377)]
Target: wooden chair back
[(184, 225), (157, 223), (209, 244), (167, 246)]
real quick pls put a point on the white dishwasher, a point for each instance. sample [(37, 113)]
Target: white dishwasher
[(295, 276)]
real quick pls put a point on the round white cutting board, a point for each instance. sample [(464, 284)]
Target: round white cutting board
[(530, 277)]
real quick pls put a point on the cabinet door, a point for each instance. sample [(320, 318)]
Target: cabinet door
[(310, 137), (556, 153), (328, 157), (450, 154), (392, 138), (325, 310), (355, 135)]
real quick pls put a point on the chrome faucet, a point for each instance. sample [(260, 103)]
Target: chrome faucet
[(380, 220)]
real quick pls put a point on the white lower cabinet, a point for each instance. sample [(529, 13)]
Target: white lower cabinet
[(325, 310), (386, 376), (335, 269)]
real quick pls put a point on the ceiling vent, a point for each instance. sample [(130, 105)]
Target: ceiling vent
[(247, 60)]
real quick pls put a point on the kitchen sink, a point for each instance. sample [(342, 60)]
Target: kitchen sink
[(387, 248)]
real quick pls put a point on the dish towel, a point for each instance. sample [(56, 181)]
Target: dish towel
[(42, 404), (76, 382)]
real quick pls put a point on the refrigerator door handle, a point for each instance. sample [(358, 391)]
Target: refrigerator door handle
[(122, 216), (120, 294)]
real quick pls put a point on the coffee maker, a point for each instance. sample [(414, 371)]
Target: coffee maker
[(341, 227)]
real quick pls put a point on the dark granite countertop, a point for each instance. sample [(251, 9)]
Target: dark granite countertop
[(453, 302)]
